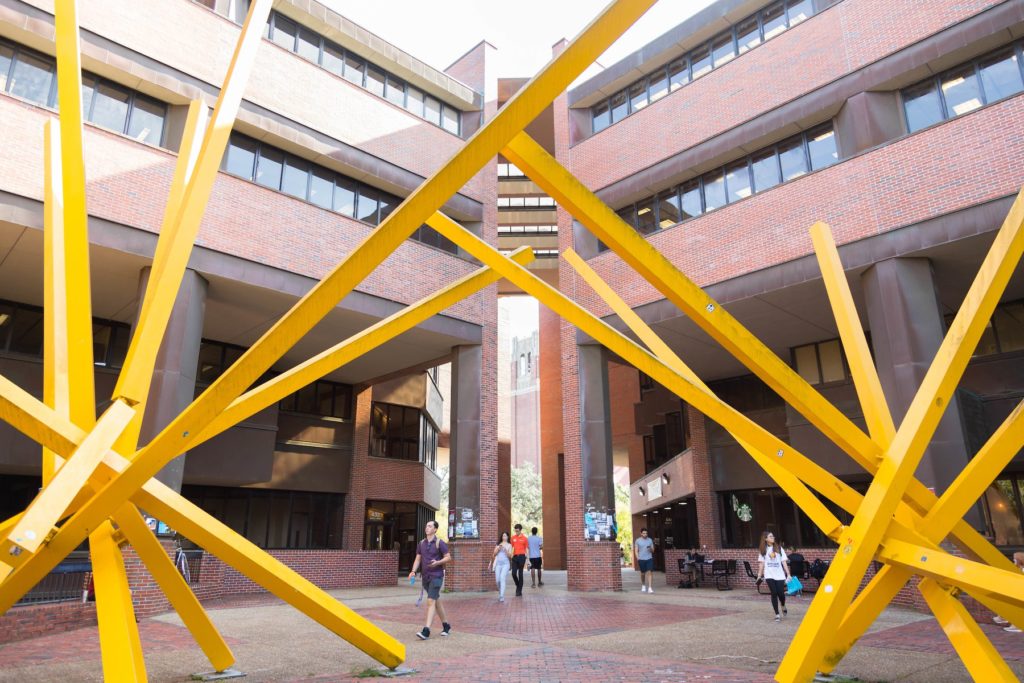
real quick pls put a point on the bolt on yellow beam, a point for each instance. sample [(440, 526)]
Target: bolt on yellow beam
[(49, 505)]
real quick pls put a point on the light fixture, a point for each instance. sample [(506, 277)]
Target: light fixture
[(683, 503), (668, 508), (641, 490), (655, 512), (664, 478)]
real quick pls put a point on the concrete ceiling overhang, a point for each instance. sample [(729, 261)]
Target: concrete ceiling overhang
[(786, 305), (243, 301)]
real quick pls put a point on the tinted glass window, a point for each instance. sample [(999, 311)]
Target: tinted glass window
[(714, 191), (284, 32), (375, 80), (414, 101), (110, 107), (432, 110), (6, 58), (679, 73), (668, 209), (147, 120), (354, 68), (748, 34), (690, 193), (774, 20), (620, 106), (27, 333), (961, 91), (31, 78), (309, 46), (799, 10), (333, 58), (1009, 323), (268, 168), (723, 50), (296, 177), (241, 157), (345, 196), (602, 117), (321, 187), (821, 145), (628, 214), (737, 181), (1000, 76), (367, 205), (88, 89), (701, 60), (645, 218), (638, 95), (450, 120), (659, 85), (394, 91), (922, 106), (793, 160), (765, 167)]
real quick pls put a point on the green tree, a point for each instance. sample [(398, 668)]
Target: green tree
[(527, 505), (624, 520), (442, 514)]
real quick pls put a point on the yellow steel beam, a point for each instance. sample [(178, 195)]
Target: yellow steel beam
[(172, 583), (78, 310), (136, 377), (276, 577), (56, 388), (477, 151), (982, 660), (42, 515), (355, 346), (119, 633), (862, 538), (182, 218), (855, 343), (794, 488)]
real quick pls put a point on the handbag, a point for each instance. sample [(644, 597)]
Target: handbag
[(793, 586)]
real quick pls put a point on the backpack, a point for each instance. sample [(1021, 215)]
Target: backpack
[(818, 569)]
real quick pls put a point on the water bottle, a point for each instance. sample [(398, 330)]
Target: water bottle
[(412, 580)]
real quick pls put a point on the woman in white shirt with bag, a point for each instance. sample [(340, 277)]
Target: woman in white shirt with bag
[(773, 566)]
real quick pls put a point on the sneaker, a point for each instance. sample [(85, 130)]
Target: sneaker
[(540, 583), (785, 612), (650, 590), (778, 618), (446, 629), (424, 634), (643, 589), (1012, 629), (501, 599), (999, 620)]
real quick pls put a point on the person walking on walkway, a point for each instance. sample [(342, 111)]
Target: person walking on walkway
[(535, 543), (773, 567), (519, 548), (500, 562), (1018, 559), (643, 551), (433, 554)]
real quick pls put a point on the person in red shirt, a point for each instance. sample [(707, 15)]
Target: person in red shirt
[(519, 548)]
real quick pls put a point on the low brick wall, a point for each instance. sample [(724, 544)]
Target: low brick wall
[(328, 569)]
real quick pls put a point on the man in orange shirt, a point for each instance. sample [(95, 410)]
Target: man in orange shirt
[(519, 547)]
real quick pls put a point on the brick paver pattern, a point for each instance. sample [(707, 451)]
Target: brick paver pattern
[(927, 636)]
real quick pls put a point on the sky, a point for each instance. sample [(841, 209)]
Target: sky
[(438, 32)]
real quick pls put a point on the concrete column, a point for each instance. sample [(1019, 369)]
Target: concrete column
[(595, 432), (906, 331), (174, 375)]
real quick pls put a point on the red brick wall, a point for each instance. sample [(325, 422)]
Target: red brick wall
[(846, 37), (355, 499), (551, 435), (32, 621), (389, 479)]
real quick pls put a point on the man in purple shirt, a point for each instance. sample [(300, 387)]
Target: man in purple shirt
[(434, 554)]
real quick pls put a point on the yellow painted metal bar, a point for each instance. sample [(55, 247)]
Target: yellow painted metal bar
[(182, 218), (76, 280), (982, 660), (172, 583), (136, 376), (119, 633), (862, 538), (380, 243), (355, 346), (42, 515), (794, 488), (222, 541), (855, 343), (56, 389)]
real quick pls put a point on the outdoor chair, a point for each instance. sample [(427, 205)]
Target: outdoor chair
[(688, 574), (720, 570), (753, 577)]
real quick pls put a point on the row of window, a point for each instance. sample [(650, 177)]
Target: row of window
[(665, 441), (789, 159), (527, 229), (274, 168), (964, 88), (1004, 332), (526, 203), (402, 433), (33, 76), (275, 519), (21, 332), (723, 48), (821, 362), (355, 69), (509, 170)]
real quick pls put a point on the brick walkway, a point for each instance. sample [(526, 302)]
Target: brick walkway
[(926, 636)]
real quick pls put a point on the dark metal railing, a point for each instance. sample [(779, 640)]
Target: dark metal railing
[(65, 583)]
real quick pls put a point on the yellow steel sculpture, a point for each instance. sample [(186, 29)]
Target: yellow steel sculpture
[(94, 476)]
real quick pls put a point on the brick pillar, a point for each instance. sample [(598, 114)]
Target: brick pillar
[(551, 438), (709, 527), (355, 499), (174, 374)]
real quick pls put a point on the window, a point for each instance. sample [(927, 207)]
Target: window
[(691, 198), (646, 220), (737, 181), (668, 209), (821, 146), (414, 101), (110, 107), (241, 157), (283, 31), (432, 110), (321, 188), (295, 179), (745, 514), (21, 332), (333, 59), (269, 167), (366, 207), (398, 432), (714, 191), (963, 89), (742, 37), (450, 120), (1004, 332), (354, 68), (345, 196), (394, 91), (792, 159), (146, 120), (32, 78), (821, 363), (214, 358), (308, 46), (323, 398), (375, 80), (765, 167)]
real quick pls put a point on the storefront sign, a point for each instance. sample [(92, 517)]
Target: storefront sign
[(374, 515), (654, 489)]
